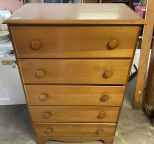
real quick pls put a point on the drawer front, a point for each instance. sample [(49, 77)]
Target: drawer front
[(74, 114), (77, 129), (74, 71), (74, 95), (75, 42), (80, 139)]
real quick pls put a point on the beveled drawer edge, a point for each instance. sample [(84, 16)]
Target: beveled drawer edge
[(47, 123)]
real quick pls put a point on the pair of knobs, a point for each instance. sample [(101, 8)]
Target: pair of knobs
[(47, 115), (44, 97), (35, 45), (50, 130), (107, 73)]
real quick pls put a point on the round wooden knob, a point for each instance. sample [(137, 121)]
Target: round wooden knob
[(113, 44), (48, 130), (99, 132), (104, 98), (101, 116), (35, 45), (46, 115), (107, 74), (43, 97), (40, 73)]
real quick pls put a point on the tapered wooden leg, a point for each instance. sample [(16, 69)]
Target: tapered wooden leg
[(102, 141), (40, 140), (107, 141)]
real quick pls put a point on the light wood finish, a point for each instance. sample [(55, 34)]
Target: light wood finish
[(73, 114), (148, 101), (74, 14), (75, 130), (74, 95), (65, 42), (74, 71), (74, 62), (144, 56)]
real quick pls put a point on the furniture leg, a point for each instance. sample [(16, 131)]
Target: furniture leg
[(144, 56), (107, 141), (40, 140)]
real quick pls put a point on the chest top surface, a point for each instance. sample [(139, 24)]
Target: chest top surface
[(109, 13)]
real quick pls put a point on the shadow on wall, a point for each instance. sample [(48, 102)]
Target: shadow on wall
[(11, 5)]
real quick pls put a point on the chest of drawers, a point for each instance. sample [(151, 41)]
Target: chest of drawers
[(74, 61)]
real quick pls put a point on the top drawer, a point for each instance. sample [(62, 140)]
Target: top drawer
[(75, 41)]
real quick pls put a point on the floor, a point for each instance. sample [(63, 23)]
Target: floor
[(133, 128)]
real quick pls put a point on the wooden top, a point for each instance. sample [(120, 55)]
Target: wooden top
[(40, 13)]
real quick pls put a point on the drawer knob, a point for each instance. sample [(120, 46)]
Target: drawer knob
[(113, 44), (40, 73), (104, 98), (48, 130), (35, 45), (107, 74), (46, 115), (99, 132), (43, 97), (101, 116)]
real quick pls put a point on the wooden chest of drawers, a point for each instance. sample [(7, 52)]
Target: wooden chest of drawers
[(74, 61)]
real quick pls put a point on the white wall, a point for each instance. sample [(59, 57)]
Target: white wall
[(11, 91)]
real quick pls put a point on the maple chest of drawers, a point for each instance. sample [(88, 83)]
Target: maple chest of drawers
[(74, 61)]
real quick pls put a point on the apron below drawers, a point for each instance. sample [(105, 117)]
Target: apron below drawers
[(74, 114), (77, 139)]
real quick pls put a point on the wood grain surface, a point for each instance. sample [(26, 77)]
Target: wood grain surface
[(73, 114), (74, 14), (74, 95), (64, 71), (75, 129), (75, 42)]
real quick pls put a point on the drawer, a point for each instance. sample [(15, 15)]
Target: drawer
[(75, 129), (74, 95), (75, 41), (62, 71), (74, 114)]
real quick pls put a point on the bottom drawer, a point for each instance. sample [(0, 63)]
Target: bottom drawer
[(75, 129), (75, 139)]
